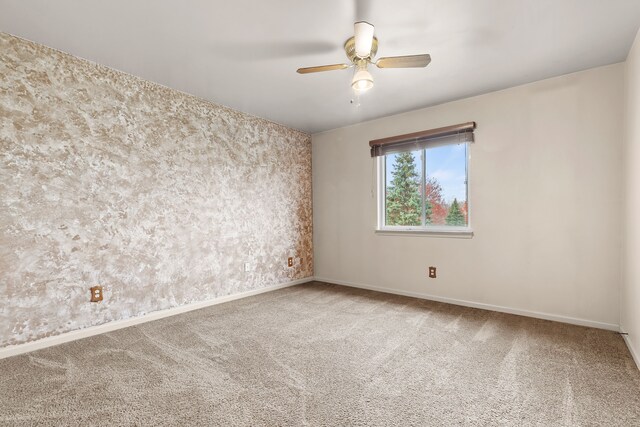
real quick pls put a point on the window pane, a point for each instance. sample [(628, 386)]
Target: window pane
[(446, 186), (402, 188)]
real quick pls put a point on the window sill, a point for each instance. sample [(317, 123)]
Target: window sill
[(460, 233)]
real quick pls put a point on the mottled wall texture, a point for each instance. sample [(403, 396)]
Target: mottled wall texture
[(159, 196)]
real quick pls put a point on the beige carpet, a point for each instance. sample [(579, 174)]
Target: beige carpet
[(325, 355)]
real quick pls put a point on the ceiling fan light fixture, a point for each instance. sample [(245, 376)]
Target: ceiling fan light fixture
[(362, 80)]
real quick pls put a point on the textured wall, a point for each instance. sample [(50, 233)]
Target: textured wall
[(157, 195)]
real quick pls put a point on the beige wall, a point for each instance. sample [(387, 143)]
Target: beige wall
[(545, 200), (630, 295), (158, 196)]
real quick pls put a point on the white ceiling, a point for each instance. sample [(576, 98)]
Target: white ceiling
[(244, 53)]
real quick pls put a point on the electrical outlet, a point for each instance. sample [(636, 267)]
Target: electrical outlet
[(247, 267), (290, 261), (432, 272), (96, 294)]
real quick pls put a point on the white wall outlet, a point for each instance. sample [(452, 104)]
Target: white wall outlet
[(247, 267)]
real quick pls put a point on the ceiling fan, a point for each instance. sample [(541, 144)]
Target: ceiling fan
[(361, 49)]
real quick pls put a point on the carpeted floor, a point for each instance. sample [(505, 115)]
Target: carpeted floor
[(326, 355)]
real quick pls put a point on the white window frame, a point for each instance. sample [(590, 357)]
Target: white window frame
[(427, 230)]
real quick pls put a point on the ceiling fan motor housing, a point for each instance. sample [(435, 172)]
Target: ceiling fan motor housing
[(350, 49)]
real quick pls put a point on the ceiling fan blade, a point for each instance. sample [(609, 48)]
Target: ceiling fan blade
[(408, 61), (320, 68), (364, 38)]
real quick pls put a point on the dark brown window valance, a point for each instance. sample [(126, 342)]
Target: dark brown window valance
[(426, 138)]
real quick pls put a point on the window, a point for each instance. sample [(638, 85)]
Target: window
[(424, 189)]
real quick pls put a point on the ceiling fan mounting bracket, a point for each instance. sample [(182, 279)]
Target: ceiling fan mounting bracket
[(350, 49)]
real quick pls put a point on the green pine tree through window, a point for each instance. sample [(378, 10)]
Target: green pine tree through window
[(455, 216), (403, 195)]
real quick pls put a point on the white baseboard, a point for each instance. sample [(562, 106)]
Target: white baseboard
[(17, 349), (501, 309), (627, 341)]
